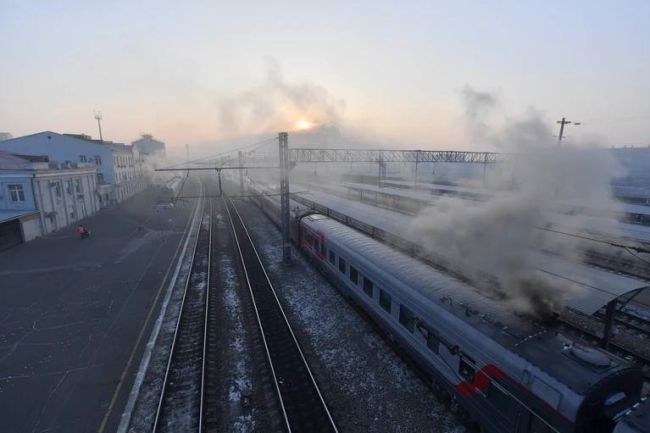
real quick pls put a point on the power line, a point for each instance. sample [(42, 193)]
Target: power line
[(225, 152), (613, 244)]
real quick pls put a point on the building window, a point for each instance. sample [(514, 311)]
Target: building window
[(332, 258), (354, 275), (57, 189), (68, 186), (77, 186), (16, 193), (367, 286), (433, 342), (100, 177), (466, 368), (342, 265), (406, 318), (384, 300), (82, 158), (98, 160)]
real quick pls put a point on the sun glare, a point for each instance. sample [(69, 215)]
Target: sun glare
[(304, 125)]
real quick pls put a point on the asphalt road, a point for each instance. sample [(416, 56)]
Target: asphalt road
[(71, 312)]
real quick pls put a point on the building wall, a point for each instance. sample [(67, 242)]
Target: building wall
[(62, 148), (8, 183), (31, 227), (116, 163), (65, 198)]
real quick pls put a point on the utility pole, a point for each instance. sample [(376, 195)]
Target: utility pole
[(562, 123), (283, 138), (98, 117)]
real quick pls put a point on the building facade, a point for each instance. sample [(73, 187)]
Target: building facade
[(114, 162), (38, 197)]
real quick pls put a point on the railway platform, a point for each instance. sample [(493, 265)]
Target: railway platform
[(72, 311)]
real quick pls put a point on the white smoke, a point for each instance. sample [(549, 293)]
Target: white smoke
[(276, 105), (500, 237)]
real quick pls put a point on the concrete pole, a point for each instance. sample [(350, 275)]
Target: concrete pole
[(241, 173), (284, 196), (417, 161)]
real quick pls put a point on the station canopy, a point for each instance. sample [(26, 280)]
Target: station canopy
[(589, 289)]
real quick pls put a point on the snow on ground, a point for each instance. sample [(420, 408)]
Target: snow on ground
[(368, 387), (238, 379), (142, 416)]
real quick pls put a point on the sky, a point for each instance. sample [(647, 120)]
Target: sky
[(390, 71)]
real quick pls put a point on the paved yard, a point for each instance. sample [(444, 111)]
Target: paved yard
[(71, 312)]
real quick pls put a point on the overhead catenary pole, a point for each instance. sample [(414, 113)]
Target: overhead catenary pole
[(241, 172), (283, 139), (415, 177), (562, 123)]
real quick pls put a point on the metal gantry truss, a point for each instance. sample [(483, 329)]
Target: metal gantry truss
[(380, 155)]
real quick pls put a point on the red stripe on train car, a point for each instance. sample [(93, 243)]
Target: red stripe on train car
[(481, 381)]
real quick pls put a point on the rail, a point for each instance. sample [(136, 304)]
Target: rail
[(184, 372), (302, 404)]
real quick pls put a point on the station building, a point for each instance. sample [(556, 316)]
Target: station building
[(38, 197), (117, 170)]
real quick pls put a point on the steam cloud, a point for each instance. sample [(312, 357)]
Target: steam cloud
[(277, 104), (500, 237)]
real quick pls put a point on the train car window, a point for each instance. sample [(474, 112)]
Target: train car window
[(332, 258), (384, 300), (433, 342), (406, 318), (465, 368), (354, 275), (342, 265), (322, 247), (316, 245), (367, 286)]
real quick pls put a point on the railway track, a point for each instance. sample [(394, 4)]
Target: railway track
[(300, 400), (181, 404)]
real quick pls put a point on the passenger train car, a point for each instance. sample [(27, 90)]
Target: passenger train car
[(168, 192), (509, 373)]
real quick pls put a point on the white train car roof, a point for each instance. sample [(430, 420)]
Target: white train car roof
[(595, 287), (429, 290)]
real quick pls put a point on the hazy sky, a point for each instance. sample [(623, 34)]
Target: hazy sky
[(394, 71)]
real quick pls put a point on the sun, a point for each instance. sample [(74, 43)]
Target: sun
[(304, 125)]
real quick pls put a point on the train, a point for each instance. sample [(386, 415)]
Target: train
[(169, 192), (507, 372)]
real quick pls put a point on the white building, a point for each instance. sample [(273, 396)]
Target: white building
[(115, 162), (38, 197)]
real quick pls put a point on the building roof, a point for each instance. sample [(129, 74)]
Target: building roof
[(13, 161), (8, 215)]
